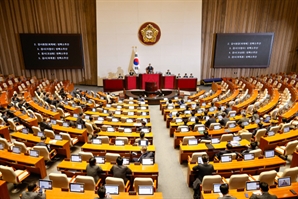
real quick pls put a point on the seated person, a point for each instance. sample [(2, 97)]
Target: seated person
[(229, 149), (141, 98), (224, 119), (170, 103), (32, 193), (43, 143), (206, 136), (101, 192), (243, 119), (93, 169), (142, 137), (185, 75), (243, 130), (252, 146), (120, 76), (119, 170), (95, 127), (264, 192), (224, 189), (191, 76), (255, 115), (131, 72), (143, 126), (168, 72), (210, 120), (80, 120), (178, 76), (150, 69), (228, 109), (181, 102), (193, 116), (45, 125), (144, 154)]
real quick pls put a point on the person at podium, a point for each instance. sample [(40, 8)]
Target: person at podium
[(149, 69), (191, 76), (178, 76), (120, 76), (168, 72), (185, 75), (131, 73)]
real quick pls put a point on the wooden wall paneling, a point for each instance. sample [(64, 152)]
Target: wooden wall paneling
[(233, 16), (47, 16)]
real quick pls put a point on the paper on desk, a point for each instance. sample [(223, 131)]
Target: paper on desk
[(137, 124), (52, 141)]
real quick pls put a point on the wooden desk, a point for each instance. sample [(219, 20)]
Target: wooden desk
[(217, 89), (32, 164), (280, 192), (291, 113), (5, 133), (25, 119), (96, 99), (3, 190), (81, 134), (251, 100), (178, 136), (71, 109), (74, 168), (294, 162), (102, 149), (273, 102), (62, 147), (56, 193), (278, 139), (197, 95), (43, 111), (236, 167), (186, 150), (131, 136)]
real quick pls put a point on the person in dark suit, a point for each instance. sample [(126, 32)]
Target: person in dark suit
[(101, 192), (210, 120), (93, 169), (190, 76), (80, 120), (228, 109), (178, 76), (120, 76), (120, 170), (224, 119), (185, 75), (201, 170), (260, 126), (206, 136), (224, 189), (31, 193), (42, 143), (253, 146), (150, 69), (243, 119), (255, 115), (145, 154), (229, 149), (168, 72), (45, 125), (265, 195), (131, 73)]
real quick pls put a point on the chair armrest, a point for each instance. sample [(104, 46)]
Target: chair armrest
[(53, 152), (127, 186), (224, 180), (73, 179), (23, 177), (188, 158), (251, 177), (97, 184), (154, 185)]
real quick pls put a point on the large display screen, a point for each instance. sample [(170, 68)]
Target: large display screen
[(52, 51), (243, 50)]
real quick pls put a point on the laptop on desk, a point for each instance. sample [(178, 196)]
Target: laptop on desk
[(252, 185), (249, 156), (76, 187), (45, 184), (284, 182), (112, 189), (145, 190), (100, 159)]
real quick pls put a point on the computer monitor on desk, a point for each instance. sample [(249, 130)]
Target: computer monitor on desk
[(75, 158), (226, 158), (147, 161), (192, 142), (252, 185), (96, 141), (112, 189), (76, 187), (100, 159), (249, 156), (215, 141), (145, 190), (16, 149), (284, 182), (269, 154), (34, 153), (45, 184)]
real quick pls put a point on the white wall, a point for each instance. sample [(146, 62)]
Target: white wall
[(179, 48)]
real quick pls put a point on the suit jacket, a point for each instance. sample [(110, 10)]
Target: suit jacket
[(227, 110), (219, 154), (120, 171), (210, 121), (32, 195), (148, 154), (265, 195), (227, 197), (44, 125), (244, 119), (203, 169), (224, 121)]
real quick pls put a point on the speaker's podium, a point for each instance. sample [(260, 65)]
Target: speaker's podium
[(150, 78)]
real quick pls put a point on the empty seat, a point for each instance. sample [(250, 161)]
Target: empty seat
[(111, 157), (288, 149), (226, 137), (186, 138), (237, 181), (60, 180), (266, 176), (257, 152), (292, 172), (119, 182), (143, 181), (85, 155), (72, 141), (88, 181), (209, 180)]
